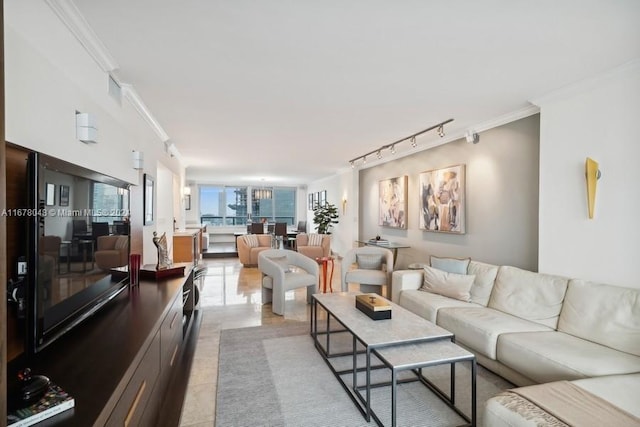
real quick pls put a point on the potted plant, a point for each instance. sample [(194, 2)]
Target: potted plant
[(324, 217)]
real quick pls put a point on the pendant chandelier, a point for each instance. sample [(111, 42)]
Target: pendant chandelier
[(262, 193)]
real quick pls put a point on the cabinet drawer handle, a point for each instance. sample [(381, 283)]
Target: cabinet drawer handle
[(173, 356), (175, 315), (135, 403)]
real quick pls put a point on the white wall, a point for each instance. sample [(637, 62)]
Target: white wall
[(339, 187), (48, 77), (501, 198), (597, 119)]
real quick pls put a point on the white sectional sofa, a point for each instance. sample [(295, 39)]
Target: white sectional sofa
[(528, 327)]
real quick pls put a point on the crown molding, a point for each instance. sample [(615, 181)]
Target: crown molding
[(512, 116), (132, 96), (70, 15), (587, 84)]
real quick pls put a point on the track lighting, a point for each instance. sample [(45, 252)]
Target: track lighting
[(392, 146)]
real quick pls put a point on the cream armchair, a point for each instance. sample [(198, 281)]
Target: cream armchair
[(112, 251), (313, 251), (278, 277), (249, 247), (369, 266)]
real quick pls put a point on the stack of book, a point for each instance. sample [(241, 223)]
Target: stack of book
[(380, 242), (53, 402)]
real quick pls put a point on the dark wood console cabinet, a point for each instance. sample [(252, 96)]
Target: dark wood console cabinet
[(120, 364)]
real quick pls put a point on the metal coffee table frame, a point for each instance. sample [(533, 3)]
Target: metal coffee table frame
[(372, 335), (412, 357)]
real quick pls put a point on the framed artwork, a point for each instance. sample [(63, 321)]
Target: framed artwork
[(392, 202), (316, 200), (442, 200), (310, 201), (323, 198), (64, 195), (187, 202), (50, 194), (147, 199)]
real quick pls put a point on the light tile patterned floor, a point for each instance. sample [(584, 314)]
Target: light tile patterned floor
[(230, 298)]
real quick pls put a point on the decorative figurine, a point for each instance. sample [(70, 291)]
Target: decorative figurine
[(163, 253)]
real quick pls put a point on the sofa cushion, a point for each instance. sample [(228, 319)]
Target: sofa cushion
[(479, 328), (282, 261), (251, 240), (605, 314), (621, 390), (448, 284), (451, 265), (485, 278), (427, 304), (369, 261), (366, 277), (532, 296), (555, 356)]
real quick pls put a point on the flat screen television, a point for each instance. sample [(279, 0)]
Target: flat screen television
[(71, 207)]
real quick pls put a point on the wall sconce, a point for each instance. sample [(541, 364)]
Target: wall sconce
[(86, 127), (593, 175), (138, 159), (344, 205), (186, 191)]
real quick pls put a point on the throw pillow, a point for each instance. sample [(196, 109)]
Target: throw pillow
[(451, 265), (122, 242), (450, 285), (251, 240), (315, 239), (282, 262), (369, 261)]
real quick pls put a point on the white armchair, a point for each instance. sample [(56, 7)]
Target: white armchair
[(278, 277), (372, 270)]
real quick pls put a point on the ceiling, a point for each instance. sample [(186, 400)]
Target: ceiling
[(288, 91)]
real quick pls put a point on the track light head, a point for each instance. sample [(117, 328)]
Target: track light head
[(353, 164), (364, 160), (393, 149), (472, 137), (441, 131), (414, 144)]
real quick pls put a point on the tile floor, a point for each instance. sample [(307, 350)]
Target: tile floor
[(230, 298)]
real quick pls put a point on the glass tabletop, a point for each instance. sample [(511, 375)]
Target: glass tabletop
[(383, 244)]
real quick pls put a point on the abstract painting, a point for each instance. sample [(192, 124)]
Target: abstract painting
[(442, 200), (393, 202)]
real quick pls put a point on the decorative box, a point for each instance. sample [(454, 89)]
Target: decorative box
[(149, 272), (374, 306)]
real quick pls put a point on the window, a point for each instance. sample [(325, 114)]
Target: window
[(228, 206), (109, 203)]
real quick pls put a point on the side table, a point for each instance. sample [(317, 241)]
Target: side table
[(324, 262), (414, 357)]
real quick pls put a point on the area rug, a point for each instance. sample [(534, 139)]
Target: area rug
[(274, 376)]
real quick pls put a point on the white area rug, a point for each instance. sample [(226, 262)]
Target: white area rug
[(274, 376)]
